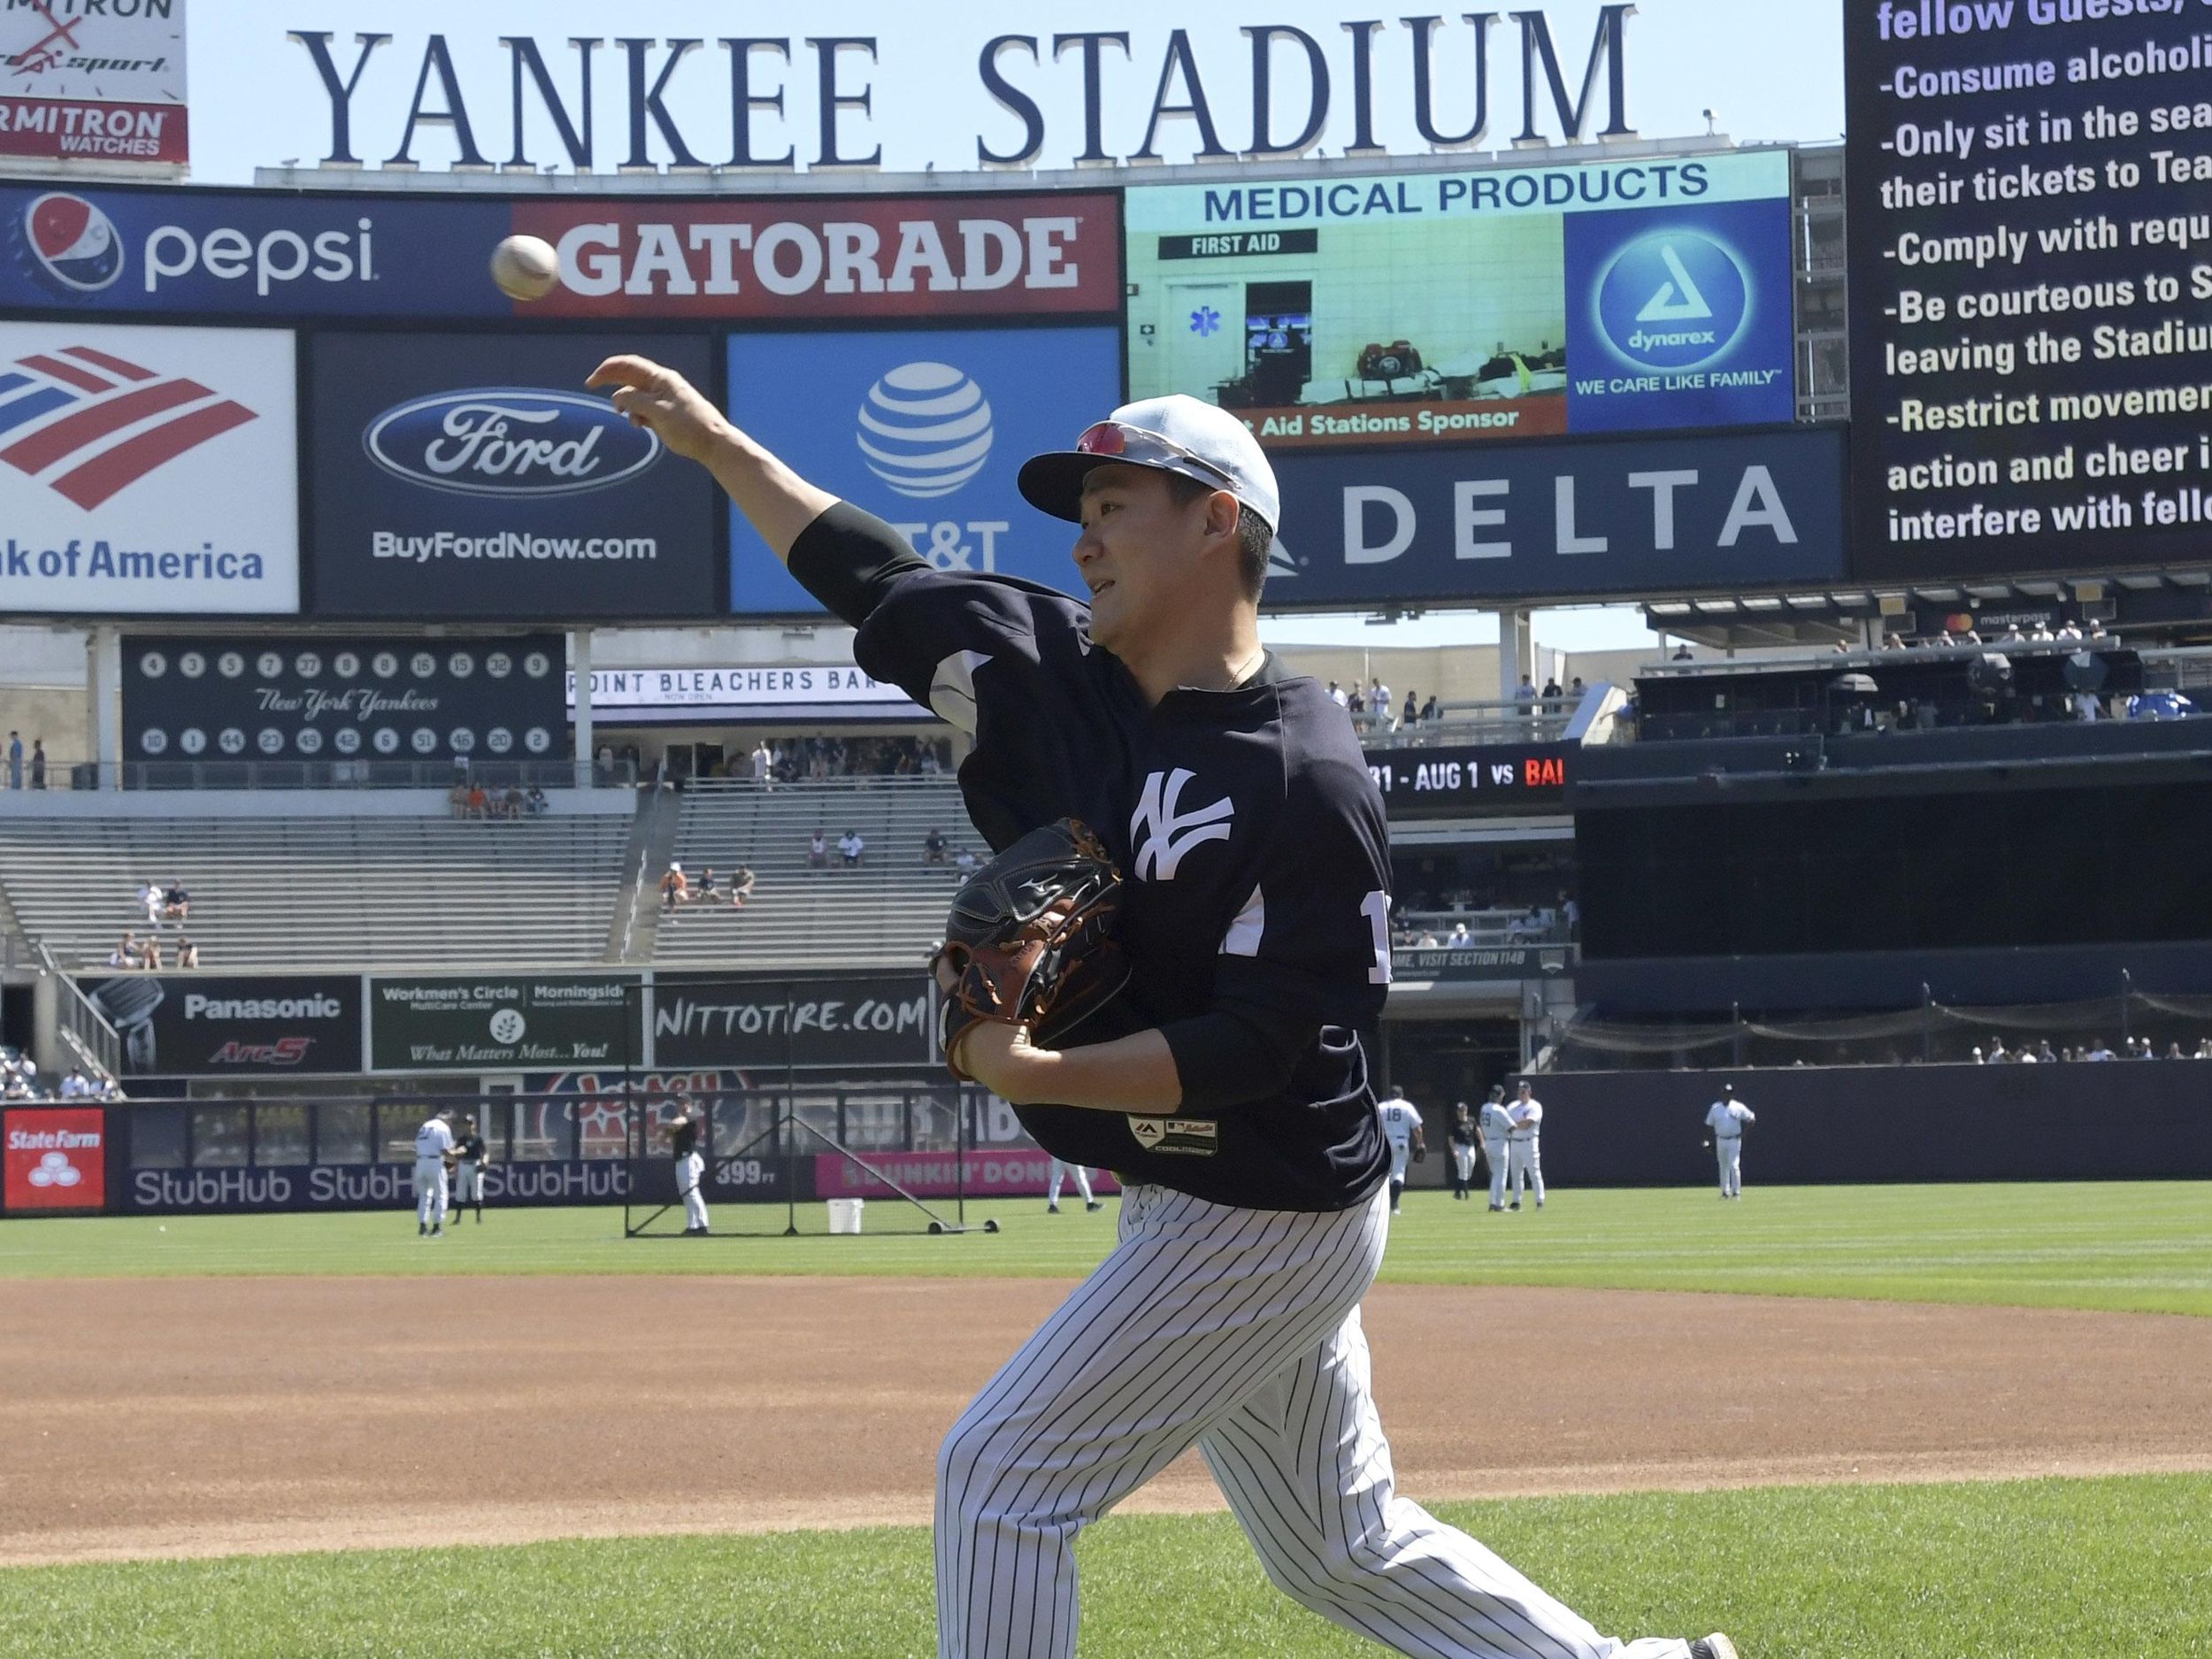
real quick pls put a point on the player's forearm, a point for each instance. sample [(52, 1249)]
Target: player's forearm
[(775, 500), (1130, 1074)]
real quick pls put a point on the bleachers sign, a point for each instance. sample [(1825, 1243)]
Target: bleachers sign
[(263, 697)]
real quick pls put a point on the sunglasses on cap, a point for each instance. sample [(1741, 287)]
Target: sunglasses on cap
[(1111, 440)]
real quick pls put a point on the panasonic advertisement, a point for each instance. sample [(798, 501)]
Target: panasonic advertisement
[(197, 1025), (472, 475)]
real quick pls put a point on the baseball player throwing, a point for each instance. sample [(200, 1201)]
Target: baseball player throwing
[(1227, 1084), (1724, 1122), (691, 1165)]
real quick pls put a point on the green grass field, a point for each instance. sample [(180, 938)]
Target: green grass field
[(2118, 1567), (2136, 1247)]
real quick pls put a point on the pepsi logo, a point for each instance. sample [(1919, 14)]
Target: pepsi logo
[(509, 441), (925, 429), (74, 246)]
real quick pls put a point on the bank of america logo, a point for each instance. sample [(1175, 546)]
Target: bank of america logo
[(87, 423)]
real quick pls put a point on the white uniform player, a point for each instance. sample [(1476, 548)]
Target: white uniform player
[(1402, 1127), (691, 1166), (1524, 1143), (1060, 1171), (433, 1141), (1726, 1118), (1496, 1124)]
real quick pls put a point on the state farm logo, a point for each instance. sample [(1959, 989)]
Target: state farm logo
[(71, 246), (509, 441), (55, 1170), (87, 423)]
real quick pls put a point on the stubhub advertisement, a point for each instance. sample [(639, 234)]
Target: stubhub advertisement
[(926, 429), (1680, 318)]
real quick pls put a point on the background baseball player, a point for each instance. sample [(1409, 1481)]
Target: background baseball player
[(1524, 1145), (433, 1141), (468, 1170), (1496, 1124), (1082, 1185), (1461, 1138), (1227, 1084), (1402, 1128), (1724, 1122), (691, 1165)]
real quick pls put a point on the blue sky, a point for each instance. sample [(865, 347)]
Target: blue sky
[(1768, 69)]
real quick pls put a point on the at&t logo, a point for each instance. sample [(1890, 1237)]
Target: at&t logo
[(925, 429), (1673, 300)]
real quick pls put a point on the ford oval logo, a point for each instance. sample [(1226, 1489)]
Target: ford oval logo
[(509, 441)]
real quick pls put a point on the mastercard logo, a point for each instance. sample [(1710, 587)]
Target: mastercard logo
[(73, 244)]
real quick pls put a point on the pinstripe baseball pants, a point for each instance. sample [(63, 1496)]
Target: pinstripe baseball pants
[(1238, 1331)]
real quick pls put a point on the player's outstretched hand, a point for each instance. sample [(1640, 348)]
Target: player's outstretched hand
[(661, 400)]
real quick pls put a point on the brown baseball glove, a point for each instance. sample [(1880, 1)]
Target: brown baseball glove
[(1029, 939)]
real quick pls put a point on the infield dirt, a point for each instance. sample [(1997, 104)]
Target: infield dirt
[(185, 1417)]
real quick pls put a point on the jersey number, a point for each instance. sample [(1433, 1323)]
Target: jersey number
[(1376, 908)]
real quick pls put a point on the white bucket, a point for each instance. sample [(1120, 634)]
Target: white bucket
[(844, 1214)]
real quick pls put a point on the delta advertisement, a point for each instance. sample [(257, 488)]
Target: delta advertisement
[(513, 1023), (92, 81), (126, 450), (56, 1158), (472, 475), (1459, 307), (927, 430), (199, 1024), (259, 697), (1623, 516), (348, 254)]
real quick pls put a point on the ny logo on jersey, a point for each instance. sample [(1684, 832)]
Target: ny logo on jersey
[(1169, 834)]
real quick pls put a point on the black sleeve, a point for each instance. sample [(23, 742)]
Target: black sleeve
[(1240, 1049), (847, 558)]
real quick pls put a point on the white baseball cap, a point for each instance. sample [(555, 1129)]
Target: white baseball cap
[(1170, 434)]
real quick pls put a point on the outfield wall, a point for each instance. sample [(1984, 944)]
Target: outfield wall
[(2116, 1120)]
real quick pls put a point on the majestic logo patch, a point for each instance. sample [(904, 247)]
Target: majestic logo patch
[(1184, 1137), (1163, 835)]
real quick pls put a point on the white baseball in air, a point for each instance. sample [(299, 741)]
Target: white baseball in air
[(525, 267)]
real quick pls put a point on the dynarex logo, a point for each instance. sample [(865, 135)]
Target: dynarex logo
[(1673, 300), (925, 429)]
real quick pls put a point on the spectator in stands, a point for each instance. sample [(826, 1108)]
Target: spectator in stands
[(15, 760), (1429, 711), (187, 954), (176, 903), (76, 1085), (1997, 1056), (125, 954), (458, 798), (1379, 704), (2204, 1049), (1355, 705), (933, 847), (480, 804), (512, 803), (1336, 695), (1683, 654), (1460, 937), (741, 880), (849, 847), (703, 891), (2100, 1052), (150, 898), (152, 954), (964, 862), (38, 762), (17, 1088), (2173, 1051), (1575, 689), (817, 852), (1571, 915), (763, 765), (1411, 715), (536, 803), (1552, 695), (1525, 698), (931, 765), (674, 889), (1427, 941)]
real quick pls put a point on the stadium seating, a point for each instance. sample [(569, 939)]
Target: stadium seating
[(886, 913), (342, 892)]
